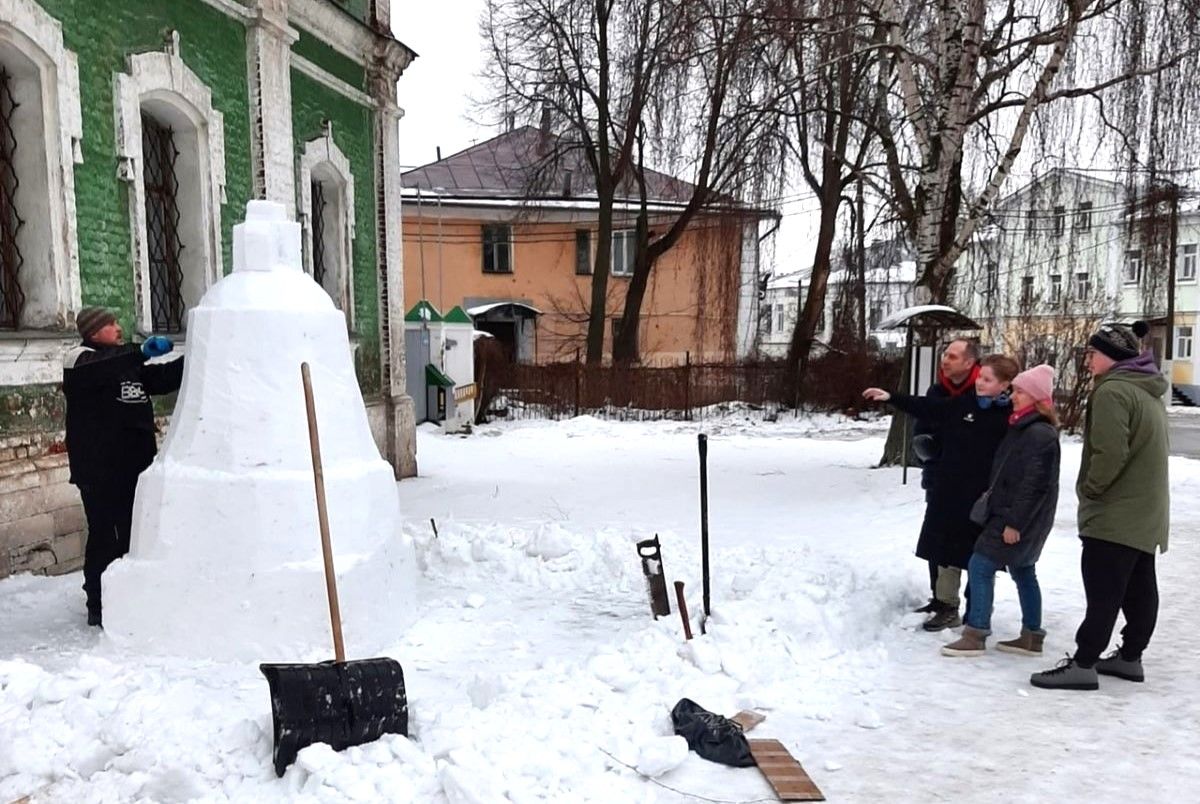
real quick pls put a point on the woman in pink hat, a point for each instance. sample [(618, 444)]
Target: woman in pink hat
[(1017, 513)]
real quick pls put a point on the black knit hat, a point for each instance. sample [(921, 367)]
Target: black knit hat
[(1119, 341), (91, 320)]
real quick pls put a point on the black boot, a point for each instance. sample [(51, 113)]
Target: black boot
[(929, 608), (947, 617), (93, 606)]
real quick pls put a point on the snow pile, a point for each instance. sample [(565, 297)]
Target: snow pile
[(226, 558)]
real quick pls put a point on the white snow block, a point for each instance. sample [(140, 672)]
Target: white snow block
[(225, 559), (661, 755)]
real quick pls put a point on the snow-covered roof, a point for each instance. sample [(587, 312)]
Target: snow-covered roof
[(483, 309), (903, 272), (935, 314), (788, 280)]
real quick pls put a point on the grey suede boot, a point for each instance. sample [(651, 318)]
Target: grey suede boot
[(973, 642), (1066, 676), (1029, 643), (1114, 664)]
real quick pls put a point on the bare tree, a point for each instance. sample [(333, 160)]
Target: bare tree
[(590, 65), (627, 84), (834, 85), (715, 120), (975, 77)]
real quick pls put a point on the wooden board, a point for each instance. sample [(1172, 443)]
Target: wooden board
[(785, 774), (748, 719)]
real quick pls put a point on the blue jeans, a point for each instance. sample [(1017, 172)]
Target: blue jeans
[(981, 571)]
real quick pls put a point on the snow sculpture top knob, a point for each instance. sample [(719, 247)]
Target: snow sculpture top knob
[(267, 240)]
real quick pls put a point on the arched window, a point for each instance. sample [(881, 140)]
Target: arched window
[(40, 132), (327, 217), (171, 151)]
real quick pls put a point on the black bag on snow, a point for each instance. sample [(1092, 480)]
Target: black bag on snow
[(716, 738)]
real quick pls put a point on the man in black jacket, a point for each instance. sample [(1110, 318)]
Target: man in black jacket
[(957, 372), (111, 433)]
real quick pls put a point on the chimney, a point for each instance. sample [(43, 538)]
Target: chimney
[(545, 127), (439, 153), (512, 121), (567, 183)]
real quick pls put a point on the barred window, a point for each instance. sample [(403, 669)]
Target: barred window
[(12, 298), (163, 246), (319, 208)]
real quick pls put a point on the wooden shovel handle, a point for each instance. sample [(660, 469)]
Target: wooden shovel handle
[(314, 442)]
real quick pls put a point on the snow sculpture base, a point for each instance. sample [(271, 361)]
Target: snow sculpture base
[(226, 554)]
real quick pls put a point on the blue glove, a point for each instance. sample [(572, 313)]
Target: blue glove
[(157, 346)]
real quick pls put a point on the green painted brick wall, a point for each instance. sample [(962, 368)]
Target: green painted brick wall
[(359, 9), (102, 33), (329, 60), (354, 133)]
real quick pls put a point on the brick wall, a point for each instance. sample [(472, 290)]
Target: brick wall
[(102, 33), (41, 519), (354, 133)]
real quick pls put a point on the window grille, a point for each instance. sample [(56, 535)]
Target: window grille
[(318, 232), (159, 156), (12, 298)]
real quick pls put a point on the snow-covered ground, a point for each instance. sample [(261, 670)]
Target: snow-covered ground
[(535, 672)]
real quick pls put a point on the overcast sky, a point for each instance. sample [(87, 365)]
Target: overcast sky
[(436, 90)]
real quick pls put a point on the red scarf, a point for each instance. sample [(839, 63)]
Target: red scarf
[(1017, 415), (960, 389)]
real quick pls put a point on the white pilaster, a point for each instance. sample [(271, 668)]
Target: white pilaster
[(387, 64), (268, 62)]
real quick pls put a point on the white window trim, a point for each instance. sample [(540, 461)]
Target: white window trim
[(1083, 289), (509, 243), (1132, 256), (1179, 339), (164, 77), (38, 36), (622, 235), (322, 154), (1182, 259)]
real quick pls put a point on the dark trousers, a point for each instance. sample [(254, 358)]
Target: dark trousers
[(1116, 579), (108, 507)]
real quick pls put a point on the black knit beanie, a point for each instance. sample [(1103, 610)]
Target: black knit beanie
[(91, 320), (1119, 341)]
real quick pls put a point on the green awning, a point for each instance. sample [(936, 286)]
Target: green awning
[(435, 376)]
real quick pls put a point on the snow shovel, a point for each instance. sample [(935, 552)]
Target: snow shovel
[(339, 702)]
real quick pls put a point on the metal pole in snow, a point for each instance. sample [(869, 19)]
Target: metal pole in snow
[(703, 443)]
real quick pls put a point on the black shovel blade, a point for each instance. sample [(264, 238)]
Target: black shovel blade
[(340, 704)]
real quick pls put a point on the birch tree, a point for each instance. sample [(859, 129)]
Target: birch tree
[(974, 78)]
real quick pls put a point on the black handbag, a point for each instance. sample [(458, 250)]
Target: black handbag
[(979, 509)]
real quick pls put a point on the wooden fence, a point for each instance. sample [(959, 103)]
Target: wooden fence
[(686, 391)]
